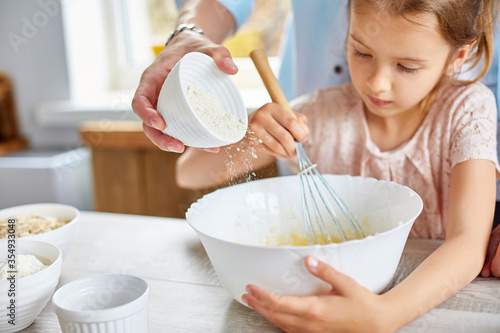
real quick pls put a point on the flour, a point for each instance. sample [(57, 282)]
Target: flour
[(239, 163), (215, 117), (26, 264)]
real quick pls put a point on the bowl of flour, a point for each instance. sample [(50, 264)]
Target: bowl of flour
[(29, 274), (202, 106)]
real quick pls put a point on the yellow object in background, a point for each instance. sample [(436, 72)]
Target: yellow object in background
[(244, 42), (157, 49), (240, 45)]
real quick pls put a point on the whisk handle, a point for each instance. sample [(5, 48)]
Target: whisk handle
[(261, 62)]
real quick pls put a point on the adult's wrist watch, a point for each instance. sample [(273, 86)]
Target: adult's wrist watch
[(180, 28)]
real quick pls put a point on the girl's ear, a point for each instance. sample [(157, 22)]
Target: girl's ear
[(459, 58)]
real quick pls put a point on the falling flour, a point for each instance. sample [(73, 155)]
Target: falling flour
[(215, 117)]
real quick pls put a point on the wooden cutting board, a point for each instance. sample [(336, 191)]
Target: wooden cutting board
[(10, 140)]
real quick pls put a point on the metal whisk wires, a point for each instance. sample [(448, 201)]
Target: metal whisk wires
[(314, 189), (318, 198)]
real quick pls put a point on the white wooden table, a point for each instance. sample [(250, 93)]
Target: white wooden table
[(186, 295)]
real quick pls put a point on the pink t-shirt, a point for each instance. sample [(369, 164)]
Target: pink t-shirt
[(461, 125)]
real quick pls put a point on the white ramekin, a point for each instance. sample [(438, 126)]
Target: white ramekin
[(107, 303)]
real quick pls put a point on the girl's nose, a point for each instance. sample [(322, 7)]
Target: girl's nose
[(380, 80)]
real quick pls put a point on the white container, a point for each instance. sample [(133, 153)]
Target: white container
[(35, 175), (107, 303), (233, 223), (64, 237), (32, 292), (182, 121)]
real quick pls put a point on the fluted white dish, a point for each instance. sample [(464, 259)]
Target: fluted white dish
[(32, 292), (235, 222), (64, 237), (107, 303), (182, 121)]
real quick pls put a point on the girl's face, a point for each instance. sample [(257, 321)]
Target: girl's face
[(393, 62)]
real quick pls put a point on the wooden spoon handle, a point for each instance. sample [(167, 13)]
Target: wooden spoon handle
[(260, 61)]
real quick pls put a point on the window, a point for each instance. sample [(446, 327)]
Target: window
[(143, 26), (105, 59), (264, 29), (130, 47)]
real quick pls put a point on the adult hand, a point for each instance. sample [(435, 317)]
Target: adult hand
[(492, 262), (348, 307), (278, 129), (145, 99)]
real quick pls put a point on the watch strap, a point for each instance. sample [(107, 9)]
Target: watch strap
[(180, 28)]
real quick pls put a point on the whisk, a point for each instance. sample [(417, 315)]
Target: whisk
[(316, 194)]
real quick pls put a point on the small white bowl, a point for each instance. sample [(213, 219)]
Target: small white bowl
[(104, 303), (182, 121), (32, 292), (234, 223), (64, 237)]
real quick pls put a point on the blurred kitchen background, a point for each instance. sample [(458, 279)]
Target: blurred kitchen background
[(69, 69)]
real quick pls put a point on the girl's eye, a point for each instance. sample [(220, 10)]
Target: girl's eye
[(408, 70), (362, 55)]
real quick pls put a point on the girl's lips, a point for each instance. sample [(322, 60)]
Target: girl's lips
[(377, 101)]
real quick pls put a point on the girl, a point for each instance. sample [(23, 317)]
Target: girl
[(403, 118)]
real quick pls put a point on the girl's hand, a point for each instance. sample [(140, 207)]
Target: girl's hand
[(348, 307), (492, 262), (277, 129)]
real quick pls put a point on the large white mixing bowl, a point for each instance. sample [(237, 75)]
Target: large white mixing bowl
[(234, 223)]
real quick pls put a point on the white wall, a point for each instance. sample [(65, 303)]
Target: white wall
[(33, 55), (57, 50)]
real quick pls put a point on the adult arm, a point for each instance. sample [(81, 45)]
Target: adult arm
[(214, 18)]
